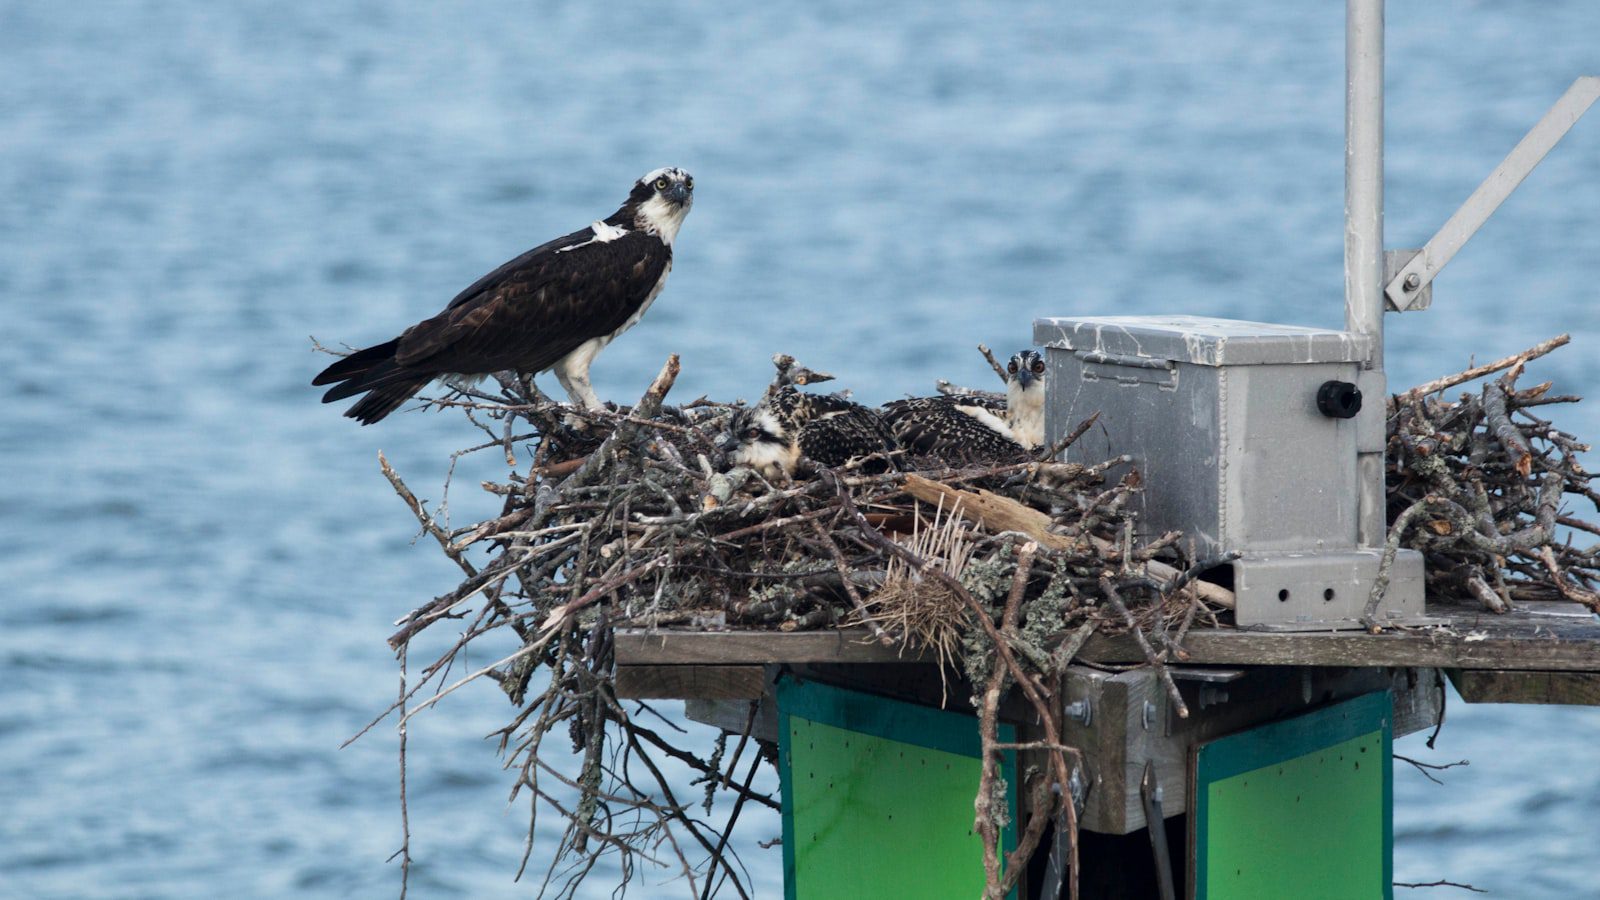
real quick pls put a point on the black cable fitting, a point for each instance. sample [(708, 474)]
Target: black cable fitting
[(1338, 399)]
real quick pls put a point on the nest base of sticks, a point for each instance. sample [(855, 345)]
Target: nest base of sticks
[(628, 564)]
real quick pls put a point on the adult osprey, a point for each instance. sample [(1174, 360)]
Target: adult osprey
[(554, 307)]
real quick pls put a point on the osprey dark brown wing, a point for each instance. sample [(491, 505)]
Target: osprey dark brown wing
[(544, 309)]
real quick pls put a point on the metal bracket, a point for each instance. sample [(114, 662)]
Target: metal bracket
[(1155, 819), (1055, 870), (1393, 262), (1412, 280)]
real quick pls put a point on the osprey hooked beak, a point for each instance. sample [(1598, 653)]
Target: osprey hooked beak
[(679, 193)]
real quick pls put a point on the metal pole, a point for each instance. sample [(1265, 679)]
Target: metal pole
[(1363, 240), (1363, 172)]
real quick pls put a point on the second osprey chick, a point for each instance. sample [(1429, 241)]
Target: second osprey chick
[(772, 436), (1025, 398)]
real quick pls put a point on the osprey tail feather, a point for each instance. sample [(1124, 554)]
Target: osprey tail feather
[(372, 371), (385, 399), (357, 364)]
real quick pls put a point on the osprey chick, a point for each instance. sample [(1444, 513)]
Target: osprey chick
[(1025, 398), (554, 307), (963, 428), (772, 436), (976, 426)]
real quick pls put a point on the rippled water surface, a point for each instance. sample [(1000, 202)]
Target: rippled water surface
[(201, 561)]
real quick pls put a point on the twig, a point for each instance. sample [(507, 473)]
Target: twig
[(1390, 548), (733, 819), (428, 524), (1441, 883), (1494, 412), (1072, 437), (561, 469), (405, 816), (560, 614), (1449, 381), (985, 822), (849, 586), (994, 364), (1114, 598), (1424, 767)]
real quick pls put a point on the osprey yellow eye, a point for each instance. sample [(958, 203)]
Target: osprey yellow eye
[(1038, 366), (1013, 367), (661, 184)]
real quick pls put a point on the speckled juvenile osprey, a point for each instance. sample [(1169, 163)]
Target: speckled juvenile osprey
[(978, 426), (554, 307), (772, 436)]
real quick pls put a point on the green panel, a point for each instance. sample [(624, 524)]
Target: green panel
[(877, 796), (1300, 808)]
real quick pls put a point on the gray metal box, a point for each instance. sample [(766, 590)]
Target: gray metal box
[(1221, 418)]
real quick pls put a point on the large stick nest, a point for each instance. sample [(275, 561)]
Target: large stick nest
[(631, 518)]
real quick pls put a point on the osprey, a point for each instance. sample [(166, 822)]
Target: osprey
[(1025, 398), (976, 426), (772, 436), (555, 307)]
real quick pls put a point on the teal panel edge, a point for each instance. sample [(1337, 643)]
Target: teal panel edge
[(1281, 741), (893, 720)]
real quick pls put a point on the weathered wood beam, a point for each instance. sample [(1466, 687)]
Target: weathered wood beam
[(1424, 650), (1503, 686), (854, 645), (1499, 642), (680, 681)]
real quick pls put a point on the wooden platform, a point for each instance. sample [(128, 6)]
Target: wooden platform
[(1121, 718), (1555, 636), (1556, 647)]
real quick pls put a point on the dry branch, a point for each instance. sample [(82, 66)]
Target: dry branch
[(1476, 485), (1472, 374)]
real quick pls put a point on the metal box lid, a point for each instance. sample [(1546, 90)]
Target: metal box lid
[(1200, 340)]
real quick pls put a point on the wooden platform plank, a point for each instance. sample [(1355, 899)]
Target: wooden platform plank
[(843, 645), (678, 681), (1522, 640), (1480, 650), (1500, 686)]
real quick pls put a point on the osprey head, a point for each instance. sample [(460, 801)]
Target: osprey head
[(1026, 371), (659, 201), (760, 440), (1025, 398)]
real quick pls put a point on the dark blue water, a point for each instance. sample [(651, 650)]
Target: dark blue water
[(201, 562)]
